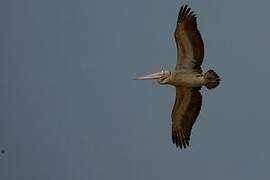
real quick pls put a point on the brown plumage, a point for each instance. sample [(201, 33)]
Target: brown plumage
[(190, 53), (188, 78), (185, 111), (190, 49)]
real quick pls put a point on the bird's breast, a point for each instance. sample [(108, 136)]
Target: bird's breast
[(187, 79)]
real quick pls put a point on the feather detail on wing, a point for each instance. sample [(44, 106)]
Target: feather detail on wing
[(190, 49), (186, 109)]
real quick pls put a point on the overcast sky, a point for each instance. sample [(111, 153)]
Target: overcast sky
[(70, 109)]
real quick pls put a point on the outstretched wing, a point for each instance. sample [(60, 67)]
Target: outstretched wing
[(187, 106), (190, 49)]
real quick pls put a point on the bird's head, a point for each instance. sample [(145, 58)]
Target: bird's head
[(162, 77)]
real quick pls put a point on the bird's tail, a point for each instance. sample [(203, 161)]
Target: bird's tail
[(211, 79)]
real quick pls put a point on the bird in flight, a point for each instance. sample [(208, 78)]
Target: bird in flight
[(187, 78)]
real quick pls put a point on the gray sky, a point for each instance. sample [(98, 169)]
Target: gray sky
[(69, 108)]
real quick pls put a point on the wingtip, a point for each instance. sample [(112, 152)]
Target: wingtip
[(186, 11), (180, 139)]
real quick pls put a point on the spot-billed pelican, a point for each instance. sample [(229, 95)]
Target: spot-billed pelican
[(188, 77)]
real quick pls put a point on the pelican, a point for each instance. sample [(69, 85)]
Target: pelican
[(187, 78)]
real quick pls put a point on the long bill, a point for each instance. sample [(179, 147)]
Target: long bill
[(151, 76)]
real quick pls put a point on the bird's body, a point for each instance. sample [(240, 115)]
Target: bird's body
[(187, 78)]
